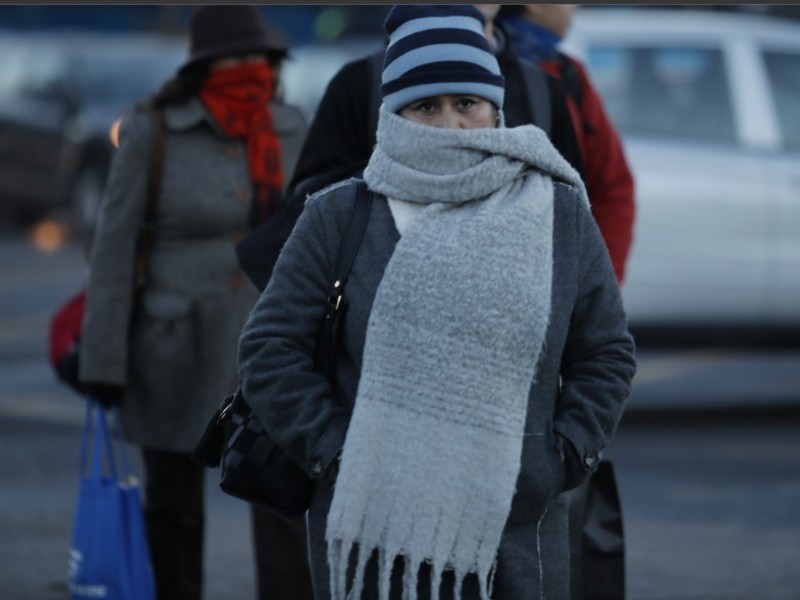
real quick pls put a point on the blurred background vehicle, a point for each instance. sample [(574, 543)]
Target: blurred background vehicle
[(708, 105), (306, 73), (59, 93)]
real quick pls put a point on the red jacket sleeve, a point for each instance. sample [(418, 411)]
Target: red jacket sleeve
[(608, 178)]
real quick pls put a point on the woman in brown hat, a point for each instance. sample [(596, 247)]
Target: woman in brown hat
[(169, 365)]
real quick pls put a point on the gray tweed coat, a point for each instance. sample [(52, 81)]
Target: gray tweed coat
[(582, 380), (178, 358)]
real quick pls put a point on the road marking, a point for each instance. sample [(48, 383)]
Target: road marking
[(663, 368)]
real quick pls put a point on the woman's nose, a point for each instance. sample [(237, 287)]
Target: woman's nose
[(451, 119)]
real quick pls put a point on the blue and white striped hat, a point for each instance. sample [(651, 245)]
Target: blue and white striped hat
[(438, 49)]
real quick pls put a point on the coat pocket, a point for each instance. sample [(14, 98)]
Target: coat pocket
[(542, 472), (167, 327)]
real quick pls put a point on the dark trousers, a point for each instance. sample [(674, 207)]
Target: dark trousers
[(175, 519), (281, 553)]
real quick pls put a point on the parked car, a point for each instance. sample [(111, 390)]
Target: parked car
[(708, 105), (59, 93)]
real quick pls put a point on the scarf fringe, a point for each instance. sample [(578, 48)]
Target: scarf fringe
[(410, 580), (444, 530), (385, 566), (340, 590)]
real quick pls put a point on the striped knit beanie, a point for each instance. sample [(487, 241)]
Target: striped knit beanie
[(438, 49)]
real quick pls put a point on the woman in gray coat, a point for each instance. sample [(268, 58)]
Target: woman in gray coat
[(167, 353), (486, 357)]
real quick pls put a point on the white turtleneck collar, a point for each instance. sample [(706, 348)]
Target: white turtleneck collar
[(403, 212)]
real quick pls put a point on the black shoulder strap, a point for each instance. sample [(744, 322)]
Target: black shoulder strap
[(351, 241), (571, 79), (574, 88), (538, 92), (328, 340)]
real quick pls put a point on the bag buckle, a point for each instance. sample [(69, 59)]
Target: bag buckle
[(334, 300), (224, 412)]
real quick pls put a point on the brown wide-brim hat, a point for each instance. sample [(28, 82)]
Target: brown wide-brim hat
[(229, 29)]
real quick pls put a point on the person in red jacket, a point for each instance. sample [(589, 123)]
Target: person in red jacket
[(535, 31)]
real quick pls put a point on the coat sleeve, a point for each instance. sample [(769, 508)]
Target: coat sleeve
[(109, 302), (597, 363), (338, 136), (277, 345)]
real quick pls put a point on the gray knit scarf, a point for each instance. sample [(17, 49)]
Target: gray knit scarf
[(431, 458)]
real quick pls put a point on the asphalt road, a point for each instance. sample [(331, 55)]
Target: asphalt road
[(707, 458), (710, 509)]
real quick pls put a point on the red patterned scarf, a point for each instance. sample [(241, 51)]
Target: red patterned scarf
[(237, 97)]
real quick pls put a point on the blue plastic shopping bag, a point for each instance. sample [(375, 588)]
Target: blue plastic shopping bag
[(109, 557)]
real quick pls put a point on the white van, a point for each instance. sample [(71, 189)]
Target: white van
[(708, 105)]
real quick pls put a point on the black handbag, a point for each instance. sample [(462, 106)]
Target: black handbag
[(604, 537), (252, 466), (598, 544)]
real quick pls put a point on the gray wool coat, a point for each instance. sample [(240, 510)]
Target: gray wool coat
[(176, 354), (582, 380)]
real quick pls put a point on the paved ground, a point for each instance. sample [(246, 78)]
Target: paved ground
[(710, 508)]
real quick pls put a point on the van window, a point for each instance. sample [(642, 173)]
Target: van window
[(783, 71), (29, 71), (670, 92), (12, 72)]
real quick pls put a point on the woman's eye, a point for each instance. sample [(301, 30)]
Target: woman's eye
[(466, 102), (425, 107)]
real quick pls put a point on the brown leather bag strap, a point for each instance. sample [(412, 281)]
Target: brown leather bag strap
[(155, 171)]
